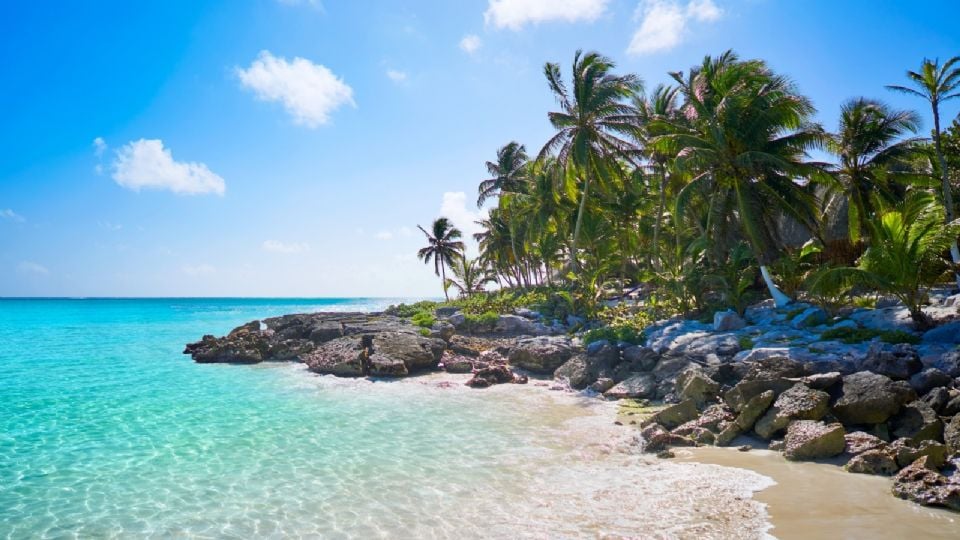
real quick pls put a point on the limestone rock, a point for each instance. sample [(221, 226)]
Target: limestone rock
[(875, 461), (725, 321), (654, 439), (749, 413), (696, 386), (797, 403), (674, 415), (906, 452), (811, 316), (542, 354), (937, 399), (951, 434), (869, 398), (920, 483), (416, 352), (918, 422), (811, 439), (946, 333), (949, 363), (640, 358), (494, 374), (899, 362), (929, 379), (859, 442), (344, 357)]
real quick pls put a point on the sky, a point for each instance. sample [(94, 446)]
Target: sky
[(291, 147)]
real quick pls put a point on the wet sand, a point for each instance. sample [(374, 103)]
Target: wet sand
[(812, 500)]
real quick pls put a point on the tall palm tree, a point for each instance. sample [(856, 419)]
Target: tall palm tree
[(594, 115), (873, 154), (508, 173), (937, 83), (443, 247), (748, 137), (469, 276)]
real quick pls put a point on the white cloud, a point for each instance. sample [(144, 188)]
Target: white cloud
[(99, 146), (198, 269), (147, 164), (10, 215), (276, 246), (664, 23), (470, 43), (309, 92), (384, 235), (514, 14), (455, 208), (32, 269), (397, 76)]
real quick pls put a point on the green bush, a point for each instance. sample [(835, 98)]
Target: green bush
[(613, 334), (424, 332), (485, 322), (409, 310), (860, 335), (424, 319)]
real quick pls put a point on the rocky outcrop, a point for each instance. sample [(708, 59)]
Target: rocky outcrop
[(639, 386), (923, 484), (899, 362), (799, 402), (876, 461), (543, 354), (494, 374)]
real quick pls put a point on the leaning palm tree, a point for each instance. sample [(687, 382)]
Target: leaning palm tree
[(873, 156), (443, 247), (594, 114), (937, 83), (748, 134), (469, 276), (508, 173)]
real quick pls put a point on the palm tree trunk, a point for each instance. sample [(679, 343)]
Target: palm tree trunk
[(945, 184), (657, 224), (443, 272), (574, 262), (779, 298)]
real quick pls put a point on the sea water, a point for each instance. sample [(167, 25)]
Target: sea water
[(108, 431)]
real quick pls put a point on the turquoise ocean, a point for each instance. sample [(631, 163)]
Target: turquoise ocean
[(108, 431)]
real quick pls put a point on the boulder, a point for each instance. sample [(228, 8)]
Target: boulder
[(655, 438), (951, 434), (601, 385), (899, 362), (640, 358), (379, 365), (446, 311), (876, 461), (949, 363), (745, 390), (418, 353), (811, 439), (442, 330), (859, 442), (542, 354), (726, 321), (812, 316), (245, 348), (929, 379), (344, 357), (575, 372), (749, 413), (674, 415), (797, 403), (906, 452), (917, 422), (494, 374), (952, 408), (869, 398), (455, 363), (937, 399), (712, 418), (821, 381), (921, 483), (948, 333), (515, 324), (696, 386), (641, 385)]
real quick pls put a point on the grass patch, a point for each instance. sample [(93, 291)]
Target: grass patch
[(425, 332), (424, 319), (613, 334), (409, 310), (860, 335), (484, 322), (745, 342)]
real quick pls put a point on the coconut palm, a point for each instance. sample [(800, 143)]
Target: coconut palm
[(594, 115), (469, 276), (443, 247), (748, 134), (937, 83), (873, 156), (508, 173)]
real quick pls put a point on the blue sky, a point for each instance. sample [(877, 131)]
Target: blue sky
[(290, 148)]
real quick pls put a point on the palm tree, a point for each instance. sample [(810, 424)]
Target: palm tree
[(937, 83), (873, 155), (469, 276), (443, 246), (747, 139), (594, 114), (509, 172)]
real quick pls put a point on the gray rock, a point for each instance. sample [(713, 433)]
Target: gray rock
[(726, 321), (812, 316), (752, 410), (951, 434), (929, 379), (810, 439), (446, 311), (879, 462), (442, 330), (949, 363), (859, 442), (884, 319), (899, 362), (457, 320), (640, 358), (952, 408), (696, 386), (344, 357), (917, 422), (674, 415), (418, 353), (869, 398), (937, 399), (906, 452), (797, 403), (542, 354), (745, 390), (821, 381), (946, 333), (922, 484), (602, 385), (641, 385), (527, 313)]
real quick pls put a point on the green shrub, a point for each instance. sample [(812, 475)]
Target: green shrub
[(424, 332), (424, 319), (745, 342), (613, 334), (409, 310), (860, 335), (485, 322)]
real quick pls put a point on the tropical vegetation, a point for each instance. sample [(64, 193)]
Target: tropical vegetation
[(712, 192)]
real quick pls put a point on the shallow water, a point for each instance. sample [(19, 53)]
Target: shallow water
[(107, 430)]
